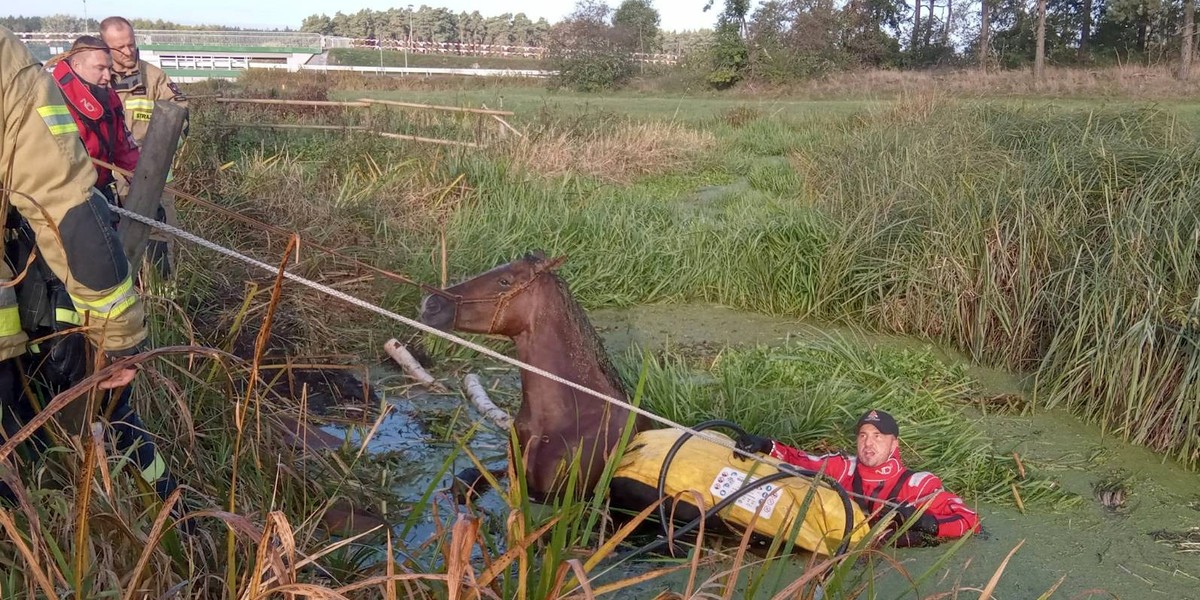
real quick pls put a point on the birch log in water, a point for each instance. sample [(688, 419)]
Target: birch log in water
[(479, 398), (400, 354)]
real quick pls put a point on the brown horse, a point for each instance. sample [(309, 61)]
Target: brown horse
[(526, 301)]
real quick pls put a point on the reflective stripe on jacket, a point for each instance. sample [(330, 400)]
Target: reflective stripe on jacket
[(51, 179), (100, 122), (138, 92)]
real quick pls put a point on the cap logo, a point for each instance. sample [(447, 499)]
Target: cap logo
[(873, 416)]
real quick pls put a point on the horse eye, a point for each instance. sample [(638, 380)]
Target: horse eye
[(505, 283)]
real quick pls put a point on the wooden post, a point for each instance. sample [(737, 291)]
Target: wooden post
[(1186, 40), (984, 26), (150, 176), (1039, 53)]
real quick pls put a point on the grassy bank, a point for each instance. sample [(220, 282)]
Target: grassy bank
[(1054, 240), (1046, 240), (809, 395)]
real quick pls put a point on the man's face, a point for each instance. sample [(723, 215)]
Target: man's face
[(874, 448), (93, 66), (124, 47)]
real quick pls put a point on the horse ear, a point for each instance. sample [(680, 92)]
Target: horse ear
[(556, 263), (536, 256)]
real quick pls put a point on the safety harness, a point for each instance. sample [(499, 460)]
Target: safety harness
[(860, 496), (92, 111)]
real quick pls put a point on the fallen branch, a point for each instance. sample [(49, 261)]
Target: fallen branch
[(478, 111), (417, 138), (479, 398), (505, 124), (279, 102), (411, 367), (299, 126)]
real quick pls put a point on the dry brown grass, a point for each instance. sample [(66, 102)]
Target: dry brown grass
[(281, 84), (1125, 82), (618, 155)]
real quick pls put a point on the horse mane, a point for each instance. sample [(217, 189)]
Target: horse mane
[(590, 340)]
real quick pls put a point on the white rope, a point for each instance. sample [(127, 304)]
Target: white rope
[(199, 241)]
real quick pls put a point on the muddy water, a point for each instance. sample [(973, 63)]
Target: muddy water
[(1096, 552)]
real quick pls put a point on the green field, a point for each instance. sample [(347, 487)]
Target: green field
[(366, 57), (529, 101)]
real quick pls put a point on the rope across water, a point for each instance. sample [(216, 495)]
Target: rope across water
[(199, 241)]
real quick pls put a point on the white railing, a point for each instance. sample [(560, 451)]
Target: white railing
[(202, 61), (237, 39), (462, 49)]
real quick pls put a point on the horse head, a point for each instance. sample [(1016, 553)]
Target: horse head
[(556, 426), (500, 301)]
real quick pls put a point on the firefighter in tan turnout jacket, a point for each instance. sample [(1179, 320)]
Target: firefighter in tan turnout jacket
[(139, 84), (47, 178), (75, 287)]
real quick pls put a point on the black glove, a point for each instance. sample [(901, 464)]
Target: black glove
[(755, 444), (926, 523), (66, 361)]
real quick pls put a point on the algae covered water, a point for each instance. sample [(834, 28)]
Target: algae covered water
[(1085, 550)]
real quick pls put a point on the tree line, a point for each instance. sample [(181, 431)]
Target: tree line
[(788, 39), (73, 24), (426, 24), (784, 40)]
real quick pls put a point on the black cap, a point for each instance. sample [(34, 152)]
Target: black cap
[(881, 420)]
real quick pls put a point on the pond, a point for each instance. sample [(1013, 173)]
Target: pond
[(1095, 551)]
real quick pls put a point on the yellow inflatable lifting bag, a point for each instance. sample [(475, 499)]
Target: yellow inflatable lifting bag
[(715, 472)]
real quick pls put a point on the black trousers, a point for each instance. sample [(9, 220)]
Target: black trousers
[(129, 433)]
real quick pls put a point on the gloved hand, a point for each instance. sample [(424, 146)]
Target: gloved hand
[(926, 523), (755, 444), (67, 360)]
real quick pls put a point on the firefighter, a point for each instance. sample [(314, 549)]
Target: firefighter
[(139, 84), (47, 185)]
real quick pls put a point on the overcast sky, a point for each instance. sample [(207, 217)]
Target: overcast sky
[(676, 14)]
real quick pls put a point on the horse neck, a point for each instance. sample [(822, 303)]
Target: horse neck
[(562, 342)]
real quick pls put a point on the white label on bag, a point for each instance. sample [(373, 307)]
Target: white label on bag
[(730, 480)]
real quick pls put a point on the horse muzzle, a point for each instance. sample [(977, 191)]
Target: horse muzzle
[(438, 311)]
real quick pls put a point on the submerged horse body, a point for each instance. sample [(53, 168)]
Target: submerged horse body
[(556, 425)]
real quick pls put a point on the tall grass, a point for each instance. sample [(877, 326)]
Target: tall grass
[(809, 395), (1048, 240), (86, 525), (1056, 241)]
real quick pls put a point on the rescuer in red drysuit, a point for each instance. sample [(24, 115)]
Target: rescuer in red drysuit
[(877, 472), (83, 77)]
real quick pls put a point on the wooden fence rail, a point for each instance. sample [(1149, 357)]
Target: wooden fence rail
[(367, 103)]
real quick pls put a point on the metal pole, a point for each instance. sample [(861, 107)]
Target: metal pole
[(410, 32)]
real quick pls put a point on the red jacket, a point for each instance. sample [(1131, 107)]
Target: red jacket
[(101, 123), (890, 481)]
